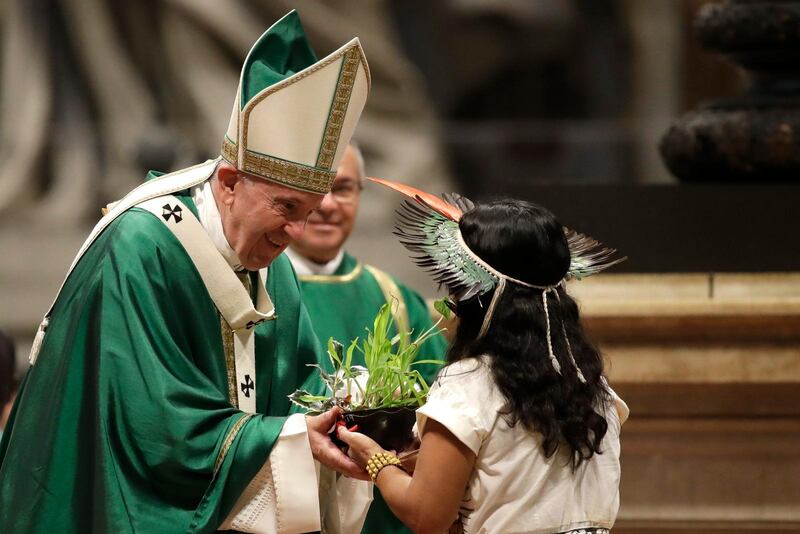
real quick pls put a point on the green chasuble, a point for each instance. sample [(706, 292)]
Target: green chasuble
[(124, 424), (341, 306)]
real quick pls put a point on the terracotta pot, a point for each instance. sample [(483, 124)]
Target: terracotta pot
[(390, 427)]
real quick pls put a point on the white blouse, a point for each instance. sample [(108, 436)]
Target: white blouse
[(513, 487)]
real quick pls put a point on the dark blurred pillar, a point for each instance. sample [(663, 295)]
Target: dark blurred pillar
[(752, 138)]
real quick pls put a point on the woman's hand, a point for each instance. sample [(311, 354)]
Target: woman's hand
[(442, 470), (324, 450), (361, 447)]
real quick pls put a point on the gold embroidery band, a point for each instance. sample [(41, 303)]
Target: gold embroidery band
[(280, 171), (229, 151), (332, 278), (237, 426), (230, 361), (341, 99)]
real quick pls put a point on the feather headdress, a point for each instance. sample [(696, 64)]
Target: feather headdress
[(428, 227)]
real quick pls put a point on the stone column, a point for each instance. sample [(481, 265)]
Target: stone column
[(752, 138)]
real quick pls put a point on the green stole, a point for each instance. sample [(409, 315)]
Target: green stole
[(125, 423), (341, 306)]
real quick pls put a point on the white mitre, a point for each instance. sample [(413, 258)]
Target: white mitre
[(294, 115)]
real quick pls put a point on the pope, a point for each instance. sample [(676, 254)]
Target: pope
[(156, 400)]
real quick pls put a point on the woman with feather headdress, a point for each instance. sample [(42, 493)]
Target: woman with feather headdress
[(521, 429)]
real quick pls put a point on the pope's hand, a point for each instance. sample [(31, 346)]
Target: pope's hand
[(324, 450), (361, 447)]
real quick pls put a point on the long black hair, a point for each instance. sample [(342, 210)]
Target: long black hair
[(526, 242)]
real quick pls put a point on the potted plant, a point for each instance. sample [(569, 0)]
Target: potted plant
[(380, 399)]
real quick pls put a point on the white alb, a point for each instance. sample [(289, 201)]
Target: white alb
[(514, 488)]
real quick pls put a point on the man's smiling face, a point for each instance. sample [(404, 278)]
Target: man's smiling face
[(260, 218), (330, 225)]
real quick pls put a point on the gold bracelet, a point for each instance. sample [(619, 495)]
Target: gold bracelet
[(379, 460)]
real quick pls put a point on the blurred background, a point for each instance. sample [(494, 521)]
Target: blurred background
[(665, 128)]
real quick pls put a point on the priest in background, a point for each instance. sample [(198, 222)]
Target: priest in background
[(343, 295)]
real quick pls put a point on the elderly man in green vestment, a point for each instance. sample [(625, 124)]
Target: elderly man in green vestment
[(343, 295), (156, 401)]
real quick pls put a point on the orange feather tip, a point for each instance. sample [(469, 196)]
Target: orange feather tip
[(432, 201)]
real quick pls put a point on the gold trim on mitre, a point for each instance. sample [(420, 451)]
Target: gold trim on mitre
[(277, 170), (315, 176), (341, 99)]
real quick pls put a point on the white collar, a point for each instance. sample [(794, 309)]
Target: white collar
[(305, 267), (208, 214)]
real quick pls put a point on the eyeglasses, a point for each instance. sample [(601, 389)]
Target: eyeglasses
[(346, 192)]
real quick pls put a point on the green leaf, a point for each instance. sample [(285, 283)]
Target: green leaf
[(440, 306), (335, 353), (348, 363), (390, 361), (313, 398), (313, 403)]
